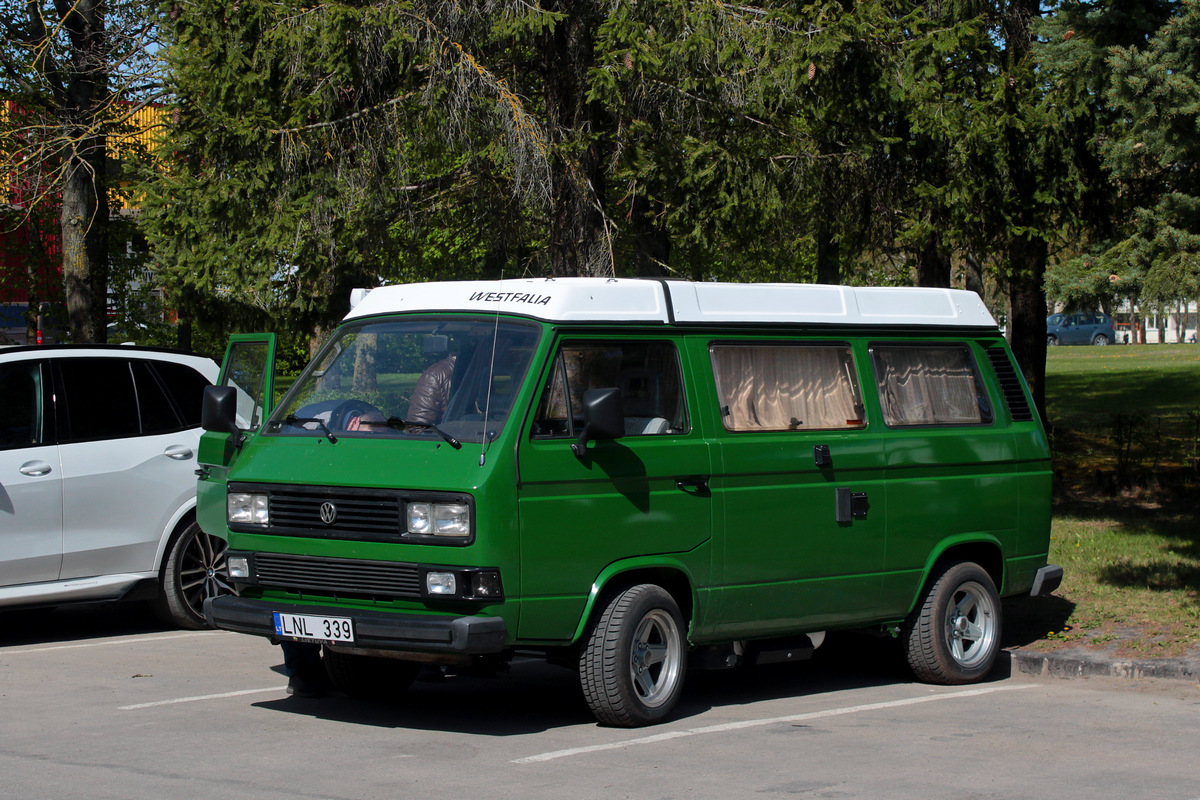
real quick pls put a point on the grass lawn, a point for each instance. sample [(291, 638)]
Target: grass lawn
[(1123, 421)]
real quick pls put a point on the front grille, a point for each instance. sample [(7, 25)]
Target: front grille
[(339, 577), (340, 512), (361, 514)]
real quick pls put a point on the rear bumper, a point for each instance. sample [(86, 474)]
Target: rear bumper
[(375, 630), (1046, 580)]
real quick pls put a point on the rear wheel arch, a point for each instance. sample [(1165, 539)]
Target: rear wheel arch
[(987, 553)]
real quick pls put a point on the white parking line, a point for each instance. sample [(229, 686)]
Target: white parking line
[(173, 701), (754, 723), (107, 642)]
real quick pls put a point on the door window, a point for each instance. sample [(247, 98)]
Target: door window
[(647, 373), (929, 385), (20, 405), (246, 371), (779, 387), (99, 399)]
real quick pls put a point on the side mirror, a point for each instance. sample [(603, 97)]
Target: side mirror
[(602, 418), (218, 412)]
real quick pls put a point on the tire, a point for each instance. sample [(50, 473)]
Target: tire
[(1101, 340), (954, 635), (634, 659), (1051, 341), (193, 570), (369, 677)]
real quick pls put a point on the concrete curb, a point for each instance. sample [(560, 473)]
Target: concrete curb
[(1091, 664)]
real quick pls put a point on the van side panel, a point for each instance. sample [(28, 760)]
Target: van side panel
[(966, 484), (784, 562), (1036, 480), (944, 484), (635, 496)]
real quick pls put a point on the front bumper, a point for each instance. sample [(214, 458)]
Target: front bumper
[(374, 630)]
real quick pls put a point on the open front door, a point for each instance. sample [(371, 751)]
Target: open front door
[(249, 367)]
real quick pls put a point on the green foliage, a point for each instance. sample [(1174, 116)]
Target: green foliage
[(1153, 154)]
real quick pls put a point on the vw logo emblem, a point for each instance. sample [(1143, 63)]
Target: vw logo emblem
[(328, 513)]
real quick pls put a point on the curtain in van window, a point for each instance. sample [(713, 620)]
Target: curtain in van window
[(929, 386), (784, 387)]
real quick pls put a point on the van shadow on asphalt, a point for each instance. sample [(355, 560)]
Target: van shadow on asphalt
[(533, 696)]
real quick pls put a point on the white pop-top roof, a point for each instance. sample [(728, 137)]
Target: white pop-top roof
[(643, 300)]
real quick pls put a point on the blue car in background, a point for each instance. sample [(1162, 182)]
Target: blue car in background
[(1085, 327)]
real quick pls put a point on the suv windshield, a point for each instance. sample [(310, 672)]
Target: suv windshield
[(444, 378)]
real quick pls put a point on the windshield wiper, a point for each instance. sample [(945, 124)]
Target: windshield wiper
[(292, 419), (396, 422)]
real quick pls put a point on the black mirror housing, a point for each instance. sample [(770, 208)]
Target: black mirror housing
[(218, 411), (602, 418)]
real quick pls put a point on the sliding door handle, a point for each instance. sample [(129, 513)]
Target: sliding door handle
[(697, 483)]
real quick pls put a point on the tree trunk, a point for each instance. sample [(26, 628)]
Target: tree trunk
[(1027, 314), (652, 244), (84, 101), (579, 240), (1027, 253), (974, 274), (85, 246), (828, 265), (933, 263)]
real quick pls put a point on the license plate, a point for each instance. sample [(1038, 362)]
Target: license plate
[(306, 628)]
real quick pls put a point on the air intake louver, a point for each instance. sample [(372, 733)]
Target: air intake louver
[(339, 577), (1010, 384)]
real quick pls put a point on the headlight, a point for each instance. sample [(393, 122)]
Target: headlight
[(439, 519), (247, 509), (441, 583)]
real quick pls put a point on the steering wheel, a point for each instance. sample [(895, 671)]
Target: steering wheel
[(342, 413)]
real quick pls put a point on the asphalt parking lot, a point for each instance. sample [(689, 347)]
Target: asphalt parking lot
[(105, 703)]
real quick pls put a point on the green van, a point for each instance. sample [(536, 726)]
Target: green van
[(627, 477)]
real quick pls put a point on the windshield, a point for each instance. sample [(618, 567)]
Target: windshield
[(428, 377)]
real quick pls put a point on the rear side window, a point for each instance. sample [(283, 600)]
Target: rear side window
[(781, 387), (647, 373), (154, 409), (20, 405), (929, 385), (99, 399), (186, 387)]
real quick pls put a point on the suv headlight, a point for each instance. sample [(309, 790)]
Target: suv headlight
[(439, 519), (247, 509)]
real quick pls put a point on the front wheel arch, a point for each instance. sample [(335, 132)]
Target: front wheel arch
[(672, 576), (193, 569)]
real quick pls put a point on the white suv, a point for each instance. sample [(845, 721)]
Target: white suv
[(97, 479)]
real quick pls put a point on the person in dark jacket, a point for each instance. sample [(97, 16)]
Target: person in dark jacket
[(428, 403)]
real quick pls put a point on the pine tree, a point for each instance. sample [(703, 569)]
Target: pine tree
[(1156, 88)]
